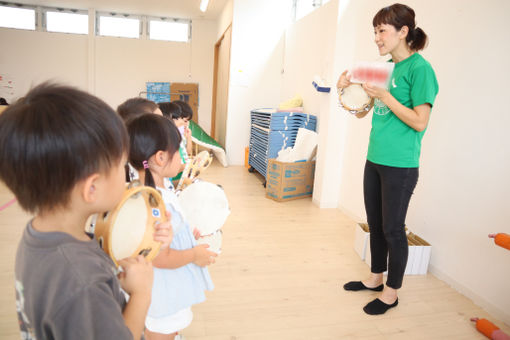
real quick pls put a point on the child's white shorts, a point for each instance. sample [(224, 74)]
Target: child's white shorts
[(170, 324)]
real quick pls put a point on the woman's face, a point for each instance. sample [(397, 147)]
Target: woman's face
[(387, 38)]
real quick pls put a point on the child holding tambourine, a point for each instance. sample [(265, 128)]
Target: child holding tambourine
[(62, 153), (399, 121), (180, 276)]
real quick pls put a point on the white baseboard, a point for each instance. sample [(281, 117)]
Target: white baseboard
[(324, 205), (503, 316), (350, 214)]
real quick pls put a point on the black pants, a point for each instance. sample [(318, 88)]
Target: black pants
[(387, 191)]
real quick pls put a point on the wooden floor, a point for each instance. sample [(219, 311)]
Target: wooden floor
[(280, 276)]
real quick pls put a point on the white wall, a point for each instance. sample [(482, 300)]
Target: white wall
[(462, 193), (225, 18), (119, 66), (30, 58), (255, 67), (310, 51)]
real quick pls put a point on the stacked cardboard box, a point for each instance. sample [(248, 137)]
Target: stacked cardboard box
[(289, 181)]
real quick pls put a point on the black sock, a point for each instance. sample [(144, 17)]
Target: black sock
[(377, 307)]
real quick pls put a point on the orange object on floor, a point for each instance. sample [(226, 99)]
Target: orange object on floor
[(489, 329), (485, 327), (501, 239), (246, 157)]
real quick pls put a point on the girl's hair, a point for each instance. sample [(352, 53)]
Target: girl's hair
[(170, 110), (149, 134), (135, 107), (54, 137), (399, 15), (187, 111)]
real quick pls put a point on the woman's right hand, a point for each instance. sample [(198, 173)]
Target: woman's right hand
[(203, 257), (344, 80)]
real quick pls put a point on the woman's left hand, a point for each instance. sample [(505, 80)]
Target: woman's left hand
[(375, 92)]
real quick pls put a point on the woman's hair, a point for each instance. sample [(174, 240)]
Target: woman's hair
[(170, 110), (187, 111), (149, 134), (135, 107), (399, 15), (54, 137)]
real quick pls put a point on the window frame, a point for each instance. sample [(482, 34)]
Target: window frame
[(167, 19), (44, 18), (22, 6), (140, 18), (315, 4)]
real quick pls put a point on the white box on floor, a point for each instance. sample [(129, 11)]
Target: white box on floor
[(361, 240), (418, 258), (421, 257)]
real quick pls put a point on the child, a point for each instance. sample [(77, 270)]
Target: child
[(130, 109), (179, 274), (137, 106), (173, 112), (186, 116), (62, 153)]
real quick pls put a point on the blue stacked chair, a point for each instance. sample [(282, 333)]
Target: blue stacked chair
[(272, 131)]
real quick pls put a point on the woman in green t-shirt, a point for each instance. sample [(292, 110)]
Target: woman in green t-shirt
[(400, 118)]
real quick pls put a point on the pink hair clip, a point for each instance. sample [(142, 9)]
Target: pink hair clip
[(145, 164)]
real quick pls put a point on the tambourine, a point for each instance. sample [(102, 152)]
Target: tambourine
[(205, 207), (127, 230), (213, 240), (193, 168), (354, 99)]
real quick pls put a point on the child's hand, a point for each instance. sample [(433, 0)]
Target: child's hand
[(164, 232), (203, 257), (187, 134), (196, 233), (137, 276)]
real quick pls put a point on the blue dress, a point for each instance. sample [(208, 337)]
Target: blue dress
[(176, 289)]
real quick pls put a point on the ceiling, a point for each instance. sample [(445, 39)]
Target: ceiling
[(186, 9)]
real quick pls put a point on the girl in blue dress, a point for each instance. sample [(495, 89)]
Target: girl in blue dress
[(180, 273)]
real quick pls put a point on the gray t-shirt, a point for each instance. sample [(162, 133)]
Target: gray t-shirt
[(67, 289)]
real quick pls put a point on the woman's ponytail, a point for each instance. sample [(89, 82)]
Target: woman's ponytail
[(417, 39)]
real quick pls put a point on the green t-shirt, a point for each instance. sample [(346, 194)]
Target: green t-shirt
[(392, 142)]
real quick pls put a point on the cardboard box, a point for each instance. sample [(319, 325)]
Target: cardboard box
[(289, 181), (419, 255), (417, 260), (362, 240), (166, 91), (187, 92)]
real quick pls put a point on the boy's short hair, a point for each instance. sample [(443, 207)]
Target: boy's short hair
[(135, 107), (187, 111), (171, 110), (54, 137)]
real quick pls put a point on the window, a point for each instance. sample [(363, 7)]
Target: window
[(304, 7), (118, 25), (17, 17), (169, 29), (66, 21)]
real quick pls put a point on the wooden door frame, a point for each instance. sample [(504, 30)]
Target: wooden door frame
[(215, 80)]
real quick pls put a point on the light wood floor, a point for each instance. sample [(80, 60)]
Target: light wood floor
[(280, 276)]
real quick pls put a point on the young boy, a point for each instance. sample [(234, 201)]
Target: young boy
[(137, 106), (62, 153)]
